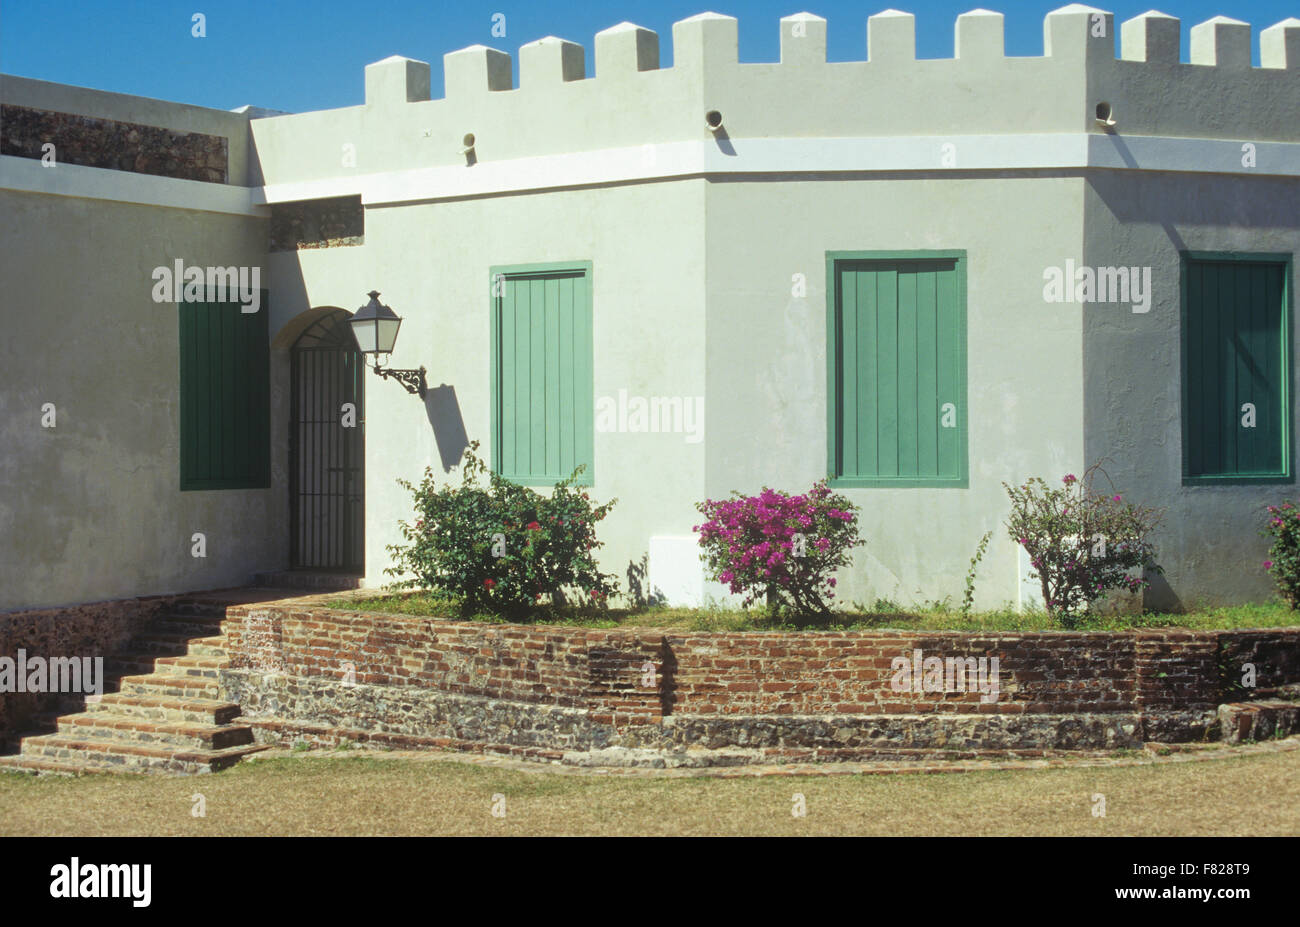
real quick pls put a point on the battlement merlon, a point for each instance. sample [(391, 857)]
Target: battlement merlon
[(631, 100)]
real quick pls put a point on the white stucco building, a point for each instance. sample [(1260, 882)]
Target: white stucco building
[(803, 268)]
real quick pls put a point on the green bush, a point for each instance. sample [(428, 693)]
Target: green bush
[(1081, 543), (1284, 556), (503, 548)]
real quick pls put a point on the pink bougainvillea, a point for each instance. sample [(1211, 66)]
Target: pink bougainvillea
[(780, 547)]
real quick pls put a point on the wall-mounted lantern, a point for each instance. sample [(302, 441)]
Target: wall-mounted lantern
[(374, 326)]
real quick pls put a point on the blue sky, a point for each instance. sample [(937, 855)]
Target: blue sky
[(297, 55)]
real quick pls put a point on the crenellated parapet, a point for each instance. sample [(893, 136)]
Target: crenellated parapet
[(1078, 87)]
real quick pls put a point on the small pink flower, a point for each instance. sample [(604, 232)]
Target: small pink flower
[(1116, 499), (1268, 564)]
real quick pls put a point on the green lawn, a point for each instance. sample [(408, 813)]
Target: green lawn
[(880, 615), (339, 794)]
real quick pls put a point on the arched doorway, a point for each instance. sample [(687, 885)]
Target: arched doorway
[(327, 448)]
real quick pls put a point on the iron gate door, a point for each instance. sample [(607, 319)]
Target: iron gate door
[(327, 449)]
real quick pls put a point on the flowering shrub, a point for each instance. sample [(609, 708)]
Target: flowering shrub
[(505, 548), (1284, 555), (1081, 543), (782, 547)]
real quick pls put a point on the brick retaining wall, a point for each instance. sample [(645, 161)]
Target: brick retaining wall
[(537, 687)]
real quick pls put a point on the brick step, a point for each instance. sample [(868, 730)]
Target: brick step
[(165, 708), (197, 667), (201, 608), (1289, 692), (165, 643), (192, 625), (95, 752), (130, 663), (208, 647), (307, 580), (1258, 720), (101, 725), (168, 685)]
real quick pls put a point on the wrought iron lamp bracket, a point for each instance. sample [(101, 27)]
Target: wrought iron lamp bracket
[(412, 380)]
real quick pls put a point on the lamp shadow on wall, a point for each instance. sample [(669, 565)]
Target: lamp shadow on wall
[(443, 410), (724, 142)]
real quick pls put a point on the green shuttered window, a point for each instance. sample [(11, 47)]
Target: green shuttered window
[(897, 368), (225, 397), (542, 392), (1236, 368)]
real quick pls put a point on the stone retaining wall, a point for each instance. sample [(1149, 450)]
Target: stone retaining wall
[(559, 690)]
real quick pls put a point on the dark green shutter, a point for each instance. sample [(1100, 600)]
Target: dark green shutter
[(543, 402), (1235, 353), (898, 364), (225, 396)]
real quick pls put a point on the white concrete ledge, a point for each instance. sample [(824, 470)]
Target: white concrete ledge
[(29, 175), (930, 154)]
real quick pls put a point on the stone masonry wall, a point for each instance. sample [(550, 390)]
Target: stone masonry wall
[(107, 143), (329, 223)]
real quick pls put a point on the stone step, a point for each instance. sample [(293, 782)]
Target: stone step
[(174, 686), (125, 729), (42, 767), (164, 708), (96, 752), (201, 667), (284, 732)]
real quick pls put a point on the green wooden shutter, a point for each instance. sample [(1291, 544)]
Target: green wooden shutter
[(225, 396), (542, 401), (897, 369), (1235, 357)]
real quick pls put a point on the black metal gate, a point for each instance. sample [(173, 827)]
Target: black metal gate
[(327, 449)]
